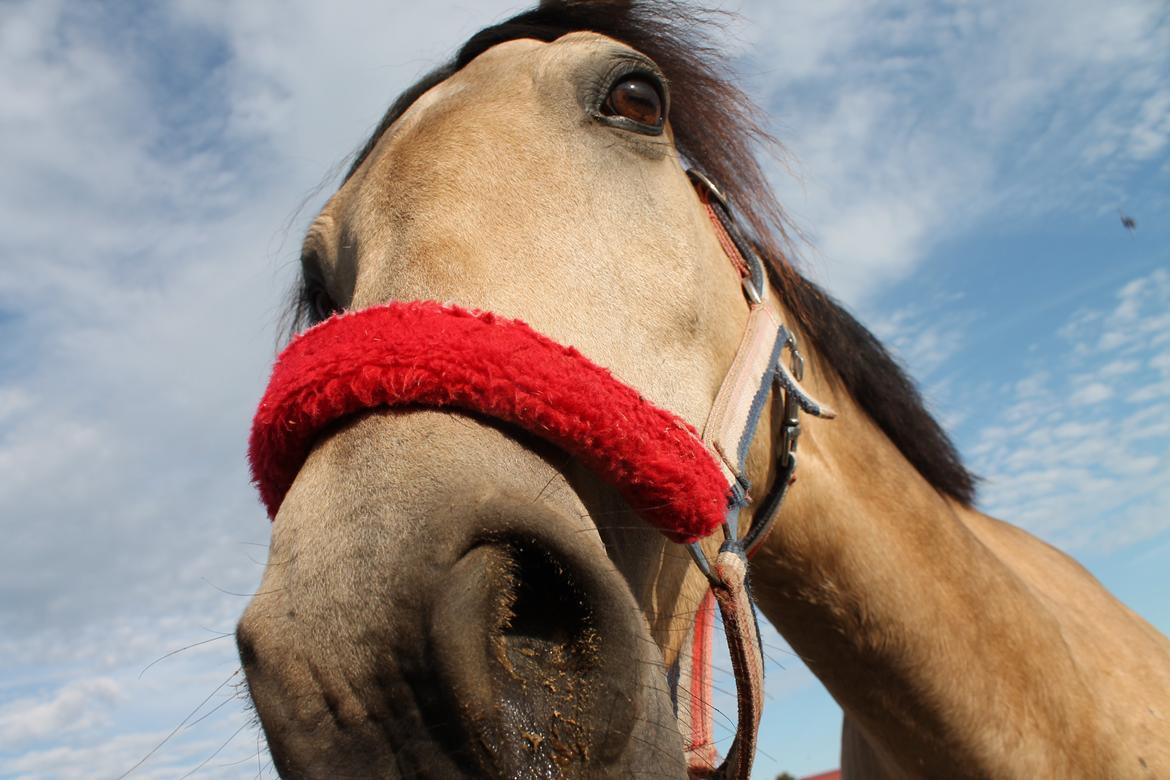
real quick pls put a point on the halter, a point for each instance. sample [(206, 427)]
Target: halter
[(686, 483), (731, 426)]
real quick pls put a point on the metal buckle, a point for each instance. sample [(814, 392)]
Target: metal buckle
[(700, 178), (791, 430)]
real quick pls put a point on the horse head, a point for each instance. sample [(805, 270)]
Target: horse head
[(448, 594)]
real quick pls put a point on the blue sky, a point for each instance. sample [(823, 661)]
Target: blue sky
[(958, 169)]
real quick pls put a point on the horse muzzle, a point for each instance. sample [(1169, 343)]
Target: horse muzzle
[(411, 627)]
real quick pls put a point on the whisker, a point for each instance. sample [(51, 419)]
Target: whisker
[(242, 595), (180, 650), (218, 750), (175, 731), (259, 764), (210, 712)]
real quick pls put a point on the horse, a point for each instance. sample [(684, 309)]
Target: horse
[(453, 591)]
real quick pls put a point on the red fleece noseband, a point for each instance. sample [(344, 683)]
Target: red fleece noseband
[(433, 355)]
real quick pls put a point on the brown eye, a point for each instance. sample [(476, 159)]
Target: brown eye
[(636, 98)]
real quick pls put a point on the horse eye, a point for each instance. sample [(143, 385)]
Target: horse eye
[(321, 306), (636, 98)]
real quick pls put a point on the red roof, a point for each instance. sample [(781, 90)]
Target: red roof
[(834, 774)]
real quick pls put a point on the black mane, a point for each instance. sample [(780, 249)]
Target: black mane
[(718, 130)]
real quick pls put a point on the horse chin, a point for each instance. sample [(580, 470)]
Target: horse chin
[(463, 629)]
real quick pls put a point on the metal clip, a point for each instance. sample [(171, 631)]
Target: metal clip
[(791, 429), (796, 398), (797, 358)]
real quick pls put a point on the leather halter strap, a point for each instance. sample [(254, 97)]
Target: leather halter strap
[(757, 368)]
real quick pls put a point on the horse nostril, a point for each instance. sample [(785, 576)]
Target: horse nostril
[(518, 647), (544, 615)]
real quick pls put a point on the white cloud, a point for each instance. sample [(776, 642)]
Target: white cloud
[(162, 721), (78, 706), (13, 401), (1078, 454), (925, 335), (1092, 393), (113, 757), (913, 123)]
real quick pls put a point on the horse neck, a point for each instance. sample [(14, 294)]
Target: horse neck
[(916, 628)]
